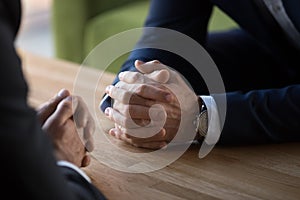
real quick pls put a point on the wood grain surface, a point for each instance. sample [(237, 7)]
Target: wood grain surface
[(246, 172)]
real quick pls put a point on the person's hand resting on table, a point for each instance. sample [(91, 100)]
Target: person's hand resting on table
[(136, 92), (72, 141)]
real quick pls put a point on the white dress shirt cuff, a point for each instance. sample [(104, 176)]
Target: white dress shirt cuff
[(214, 128), (72, 166)]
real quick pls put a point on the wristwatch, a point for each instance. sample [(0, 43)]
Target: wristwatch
[(202, 120)]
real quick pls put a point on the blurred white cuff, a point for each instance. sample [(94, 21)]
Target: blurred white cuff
[(214, 128), (64, 163)]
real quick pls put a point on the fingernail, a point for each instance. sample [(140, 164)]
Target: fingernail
[(121, 75), (156, 62), (112, 132), (139, 62), (70, 98), (107, 111), (164, 132), (73, 100), (63, 93)]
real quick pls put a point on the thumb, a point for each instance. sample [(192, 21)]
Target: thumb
[(46, 109), (154, 70), (149, 67), (63, 112), (161, 76)]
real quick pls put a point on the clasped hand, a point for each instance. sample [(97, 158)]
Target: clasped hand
[(66, 120), (137, 94)]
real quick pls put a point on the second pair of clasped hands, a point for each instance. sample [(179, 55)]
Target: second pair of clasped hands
[(149, 105), (66, 120)]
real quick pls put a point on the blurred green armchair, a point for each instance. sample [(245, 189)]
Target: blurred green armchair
[(79, 25)]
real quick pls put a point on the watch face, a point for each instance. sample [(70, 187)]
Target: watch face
[(203, 123)]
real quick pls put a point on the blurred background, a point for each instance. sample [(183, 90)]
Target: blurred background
[(70, 29), (35, 33)]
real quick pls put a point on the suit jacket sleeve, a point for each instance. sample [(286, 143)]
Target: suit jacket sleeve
[(29, 168), (181, 16), (262, 116), (256, 117)]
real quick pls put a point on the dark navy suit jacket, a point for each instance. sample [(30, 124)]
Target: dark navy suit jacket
[(28, 168), (260, 67)]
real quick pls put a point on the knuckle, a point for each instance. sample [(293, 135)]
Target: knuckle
[(125, 97), (141, 89), (51, 101), (126, 110), (135, 144), (112, 115), (135, 76), (46, 105), (66, 105), (112, 91)]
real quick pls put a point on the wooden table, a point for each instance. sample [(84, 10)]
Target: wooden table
[(250, 172)]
